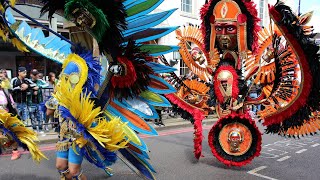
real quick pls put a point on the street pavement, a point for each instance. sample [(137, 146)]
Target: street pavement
[(171, 155)]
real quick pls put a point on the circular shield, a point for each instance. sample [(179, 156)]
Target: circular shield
[(235, 140)]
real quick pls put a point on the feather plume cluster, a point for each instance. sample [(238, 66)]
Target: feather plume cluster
[(78, 107), (25, 137)]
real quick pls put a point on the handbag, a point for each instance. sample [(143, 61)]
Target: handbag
[(12, 110)]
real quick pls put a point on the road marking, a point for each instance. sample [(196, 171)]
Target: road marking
[(283, 158), (301, 151), (315, 145), (271, 153), (254, 172)]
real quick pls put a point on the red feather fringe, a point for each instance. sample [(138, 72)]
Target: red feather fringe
[(228, 162), (235, 88), (198, 115), (203, 11), (130, 76), (302, 99), (251, 7)]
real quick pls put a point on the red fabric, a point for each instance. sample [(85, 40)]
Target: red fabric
[(307, 85), (130, 76), (198, 116), (242, 18), (212, 19), (216, 84), (228, 162)]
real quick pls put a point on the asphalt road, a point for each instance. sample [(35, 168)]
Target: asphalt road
[(172, 157)]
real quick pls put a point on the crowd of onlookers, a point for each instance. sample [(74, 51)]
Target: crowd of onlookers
[(25, 98), (25, 95)]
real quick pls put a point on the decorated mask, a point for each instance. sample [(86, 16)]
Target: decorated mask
[(225, 78), (84, 18), (235, 139), (226, 35), (230, 25), (116, 69), (75, 71), (198, 56)]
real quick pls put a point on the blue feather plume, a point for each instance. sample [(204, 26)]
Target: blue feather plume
[(138, 163), (94, 68)]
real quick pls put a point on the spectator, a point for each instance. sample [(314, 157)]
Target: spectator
[(35, 100), (40, 76), (7, 104), (158, 122), (20, 88), (5, 80), (52, 81)]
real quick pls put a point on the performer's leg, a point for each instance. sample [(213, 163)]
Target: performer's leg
[(76, 172), (75, 161), (62, 164), (15, 153)]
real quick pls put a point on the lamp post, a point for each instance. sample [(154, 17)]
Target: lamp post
[(299, 8)]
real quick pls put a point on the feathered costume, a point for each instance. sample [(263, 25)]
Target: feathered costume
[(12, 131), (100, 119), (237, 55)]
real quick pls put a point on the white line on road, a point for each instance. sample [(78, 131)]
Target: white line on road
[(301, 151), (254, 172), (283, 158), (315, 145)]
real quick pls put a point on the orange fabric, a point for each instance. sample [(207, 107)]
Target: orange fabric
[(242, 38), (227, 10)]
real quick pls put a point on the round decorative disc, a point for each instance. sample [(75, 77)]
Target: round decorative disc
[(227, 143)]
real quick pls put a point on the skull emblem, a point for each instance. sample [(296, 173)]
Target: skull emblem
[(235, 139)]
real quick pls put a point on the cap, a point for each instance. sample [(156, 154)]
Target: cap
[(22, 69), (34, 72)]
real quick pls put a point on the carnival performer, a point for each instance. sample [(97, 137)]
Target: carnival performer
[(99, 119), (239, 55), (13, 133), (7, 104)]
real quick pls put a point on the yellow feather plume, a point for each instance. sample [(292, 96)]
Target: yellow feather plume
[(25, 135), (2, 32), (1, 8), (12, 2), (110, 134), (18, 44)]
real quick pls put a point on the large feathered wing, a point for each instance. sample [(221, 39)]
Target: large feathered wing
[(293, 101)]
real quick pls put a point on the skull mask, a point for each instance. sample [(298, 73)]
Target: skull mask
[(235, 139)]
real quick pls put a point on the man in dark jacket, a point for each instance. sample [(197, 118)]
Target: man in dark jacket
[(21, 87)]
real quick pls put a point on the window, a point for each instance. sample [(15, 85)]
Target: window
[(261, 11), (186, 6), (184, 70)]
